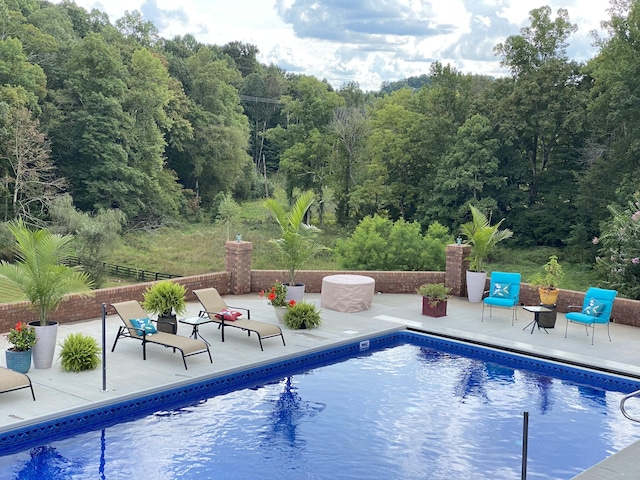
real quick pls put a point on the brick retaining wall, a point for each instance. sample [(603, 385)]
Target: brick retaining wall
[(244, 280)]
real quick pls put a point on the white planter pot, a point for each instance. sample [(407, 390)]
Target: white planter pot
[(295, 293), (280, 311), (45, 346), (476, 282)]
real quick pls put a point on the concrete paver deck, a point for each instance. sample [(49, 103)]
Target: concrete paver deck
[(60, 393)]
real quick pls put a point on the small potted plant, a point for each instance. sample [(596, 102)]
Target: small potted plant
[(79, 352), (434, 299), (302, 315), (23, 338), (548, 281), (277, 298), (166, 299)]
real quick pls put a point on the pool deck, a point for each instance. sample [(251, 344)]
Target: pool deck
[(60, 393)]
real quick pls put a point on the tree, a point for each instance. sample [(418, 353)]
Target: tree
[(32, 180)]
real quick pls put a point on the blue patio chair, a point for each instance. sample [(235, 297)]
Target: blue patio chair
[(596, 308), (504, 292)]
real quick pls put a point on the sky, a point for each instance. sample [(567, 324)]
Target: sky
[(366, 41)]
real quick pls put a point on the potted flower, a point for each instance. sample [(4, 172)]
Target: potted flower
[(434, 299), (298, 241), (23, 338), (483, 237), (41, 276), (302, 315), (277, 298), (166, 299)]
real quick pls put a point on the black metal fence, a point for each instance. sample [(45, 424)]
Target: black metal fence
[(137, 274)]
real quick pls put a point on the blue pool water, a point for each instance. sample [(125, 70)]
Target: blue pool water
[(411, 407)]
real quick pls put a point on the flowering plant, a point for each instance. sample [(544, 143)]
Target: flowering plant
[(277, 295), (619, 256), (22, 336)]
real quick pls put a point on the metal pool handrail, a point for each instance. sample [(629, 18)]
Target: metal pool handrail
[(622, 402)]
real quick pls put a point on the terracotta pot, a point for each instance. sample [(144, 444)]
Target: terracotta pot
[(548, 297)]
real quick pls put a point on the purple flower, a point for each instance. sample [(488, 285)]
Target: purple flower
[(635, 260), (636, 216)]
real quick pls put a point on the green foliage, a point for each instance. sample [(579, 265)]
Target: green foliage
[(95, 235), (552, 276), (302, 315), (39, 273), (79, 352), (483, 237), (165, 297), (434, 292), (298, 242), (22, 337), (619, 256), (380, 244), (228, 212)]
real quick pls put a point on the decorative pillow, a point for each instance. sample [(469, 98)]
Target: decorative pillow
[(229, 315), (593, 308), (501, 290), (143, 324)]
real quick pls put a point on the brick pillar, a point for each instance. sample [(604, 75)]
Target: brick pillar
[(457, 266), (238, 263)]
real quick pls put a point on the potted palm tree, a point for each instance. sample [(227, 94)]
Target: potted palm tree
[(434, 299), (298, 241), (166, 299), (483, 237), (40, 276)]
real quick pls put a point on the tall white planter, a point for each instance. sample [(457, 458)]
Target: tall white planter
[(475, 285), (295, 292), (45, 346)]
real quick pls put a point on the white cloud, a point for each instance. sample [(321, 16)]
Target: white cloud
[(357, 40)]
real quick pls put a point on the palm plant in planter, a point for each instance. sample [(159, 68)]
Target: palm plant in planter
[(483, 237), (298, 242), (166, 299), (434, 299), (40, 276)]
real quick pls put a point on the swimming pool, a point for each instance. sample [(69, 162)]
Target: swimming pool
[(407, 406)]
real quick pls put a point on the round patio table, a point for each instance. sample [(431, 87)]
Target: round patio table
[(347, 293)]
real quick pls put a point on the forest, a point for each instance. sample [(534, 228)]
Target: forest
[(113, 119)]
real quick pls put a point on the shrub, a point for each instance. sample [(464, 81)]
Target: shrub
[(380, 244), (79, 352), (302, 315)]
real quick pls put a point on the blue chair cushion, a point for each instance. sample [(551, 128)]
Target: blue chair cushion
[(501, 290), (143, 324), (594, 307)]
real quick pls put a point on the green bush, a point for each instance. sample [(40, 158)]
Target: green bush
[(380, 244), (302, 313), (79, 352)]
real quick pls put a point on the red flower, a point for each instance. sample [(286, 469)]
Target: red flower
[(261, 293), (271, 296), (292, 302), (19, 326)]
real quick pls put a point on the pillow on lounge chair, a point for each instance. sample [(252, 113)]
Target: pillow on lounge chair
[(143, 324), (501, 290), (594, 308), (229, 315)]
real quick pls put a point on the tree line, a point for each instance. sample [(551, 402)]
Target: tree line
[(161, 129)]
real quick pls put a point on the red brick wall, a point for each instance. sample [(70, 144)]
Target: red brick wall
[(75, 307)]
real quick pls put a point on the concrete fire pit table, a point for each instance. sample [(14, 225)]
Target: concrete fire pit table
[(347, 293)]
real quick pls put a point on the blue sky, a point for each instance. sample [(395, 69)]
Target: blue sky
[(367, 41)]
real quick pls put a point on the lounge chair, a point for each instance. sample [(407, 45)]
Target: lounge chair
[(213, 304), (11, 380), (133, 310)]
